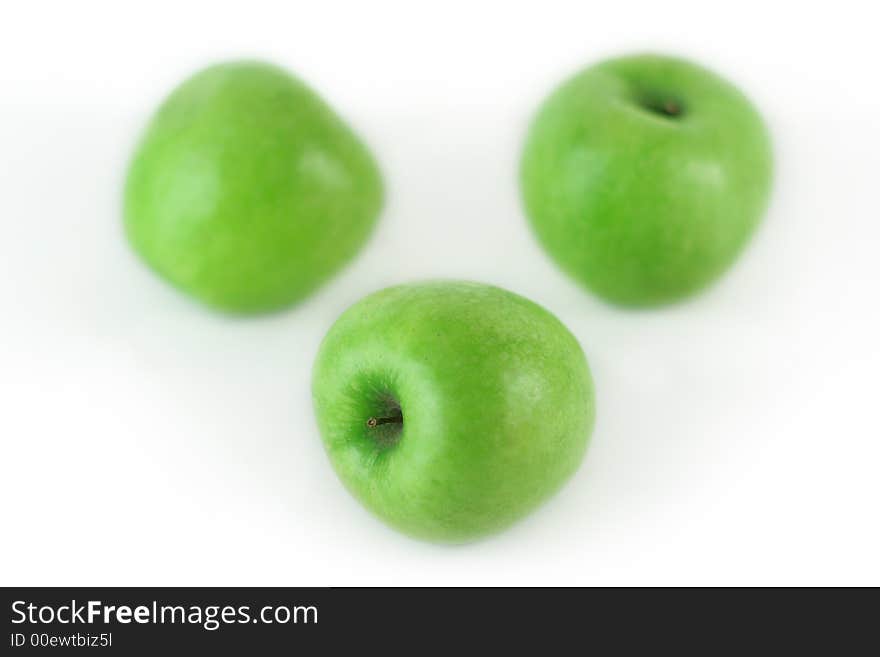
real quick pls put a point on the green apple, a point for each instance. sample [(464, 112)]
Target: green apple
[(247, 191), (645, 176), (451, 409)]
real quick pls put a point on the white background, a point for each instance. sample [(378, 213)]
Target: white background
[(148, 441)]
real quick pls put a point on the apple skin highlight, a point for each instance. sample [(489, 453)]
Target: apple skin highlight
[(487, 402), (247, 191), (644, 177)]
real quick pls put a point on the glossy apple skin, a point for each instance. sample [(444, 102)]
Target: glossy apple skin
[(247, 191), (496, 399), (638, 203)]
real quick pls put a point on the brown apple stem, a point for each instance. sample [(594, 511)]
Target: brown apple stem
[(374, 422), (672, 108)]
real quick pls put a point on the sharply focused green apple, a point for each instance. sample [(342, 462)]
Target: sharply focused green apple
[(644, 177), (451, 409), (247, 191)]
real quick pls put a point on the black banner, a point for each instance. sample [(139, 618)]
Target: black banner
[(131, 621)]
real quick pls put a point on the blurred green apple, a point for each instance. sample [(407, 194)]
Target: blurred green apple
[(644, 177), (452, 409), (247, 191)]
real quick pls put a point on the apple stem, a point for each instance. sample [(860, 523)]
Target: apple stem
[(374, 422), (671, 108)]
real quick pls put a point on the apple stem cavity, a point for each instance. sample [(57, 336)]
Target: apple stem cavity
[(671, 108), (666, 105)]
